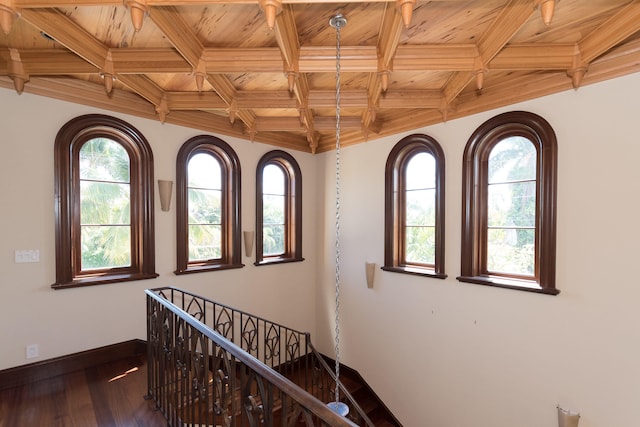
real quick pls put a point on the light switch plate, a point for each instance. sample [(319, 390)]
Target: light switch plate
[(27, 255)]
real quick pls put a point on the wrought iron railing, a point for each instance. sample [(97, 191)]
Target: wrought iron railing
[(210, 364)]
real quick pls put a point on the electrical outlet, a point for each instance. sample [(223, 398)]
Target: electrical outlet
[(32, 351)]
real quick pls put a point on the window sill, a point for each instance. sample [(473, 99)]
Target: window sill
[(515, 284), (103, 280), (271, 261), (206, 267), (416, 271)]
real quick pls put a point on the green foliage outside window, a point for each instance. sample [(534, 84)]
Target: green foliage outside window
[(105, 208), (205, 208), (273, 210), (512, 207), (420, 213)]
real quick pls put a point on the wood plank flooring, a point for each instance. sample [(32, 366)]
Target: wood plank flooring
[(106, 395)]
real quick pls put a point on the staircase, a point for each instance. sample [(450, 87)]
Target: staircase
[(212, 365)]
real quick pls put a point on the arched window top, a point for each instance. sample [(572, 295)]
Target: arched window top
[(208, 206), (414, 207), (104, 203), (509, 196), (278, 209), (524, 124)]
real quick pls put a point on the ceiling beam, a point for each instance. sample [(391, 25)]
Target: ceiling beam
[(65, 3), (264, 60), (616, 29), (511, 18), (66, 32)]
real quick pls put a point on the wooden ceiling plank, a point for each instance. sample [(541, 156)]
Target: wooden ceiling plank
[(68, 33), (148, 61), (265, 99), (411, 99), (287, 37), (349, 98), (320, 59), (436, 57), (66, 3), (292, 124), (170, 22), (616, 29), (181, 36), (40, 62), (90, 94), (195, 101), (143, 87), (534, 57), (389, 36), (510, 19), (254, 60)]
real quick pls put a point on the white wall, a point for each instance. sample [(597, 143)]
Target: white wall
[(448, 354), (71, 320), (439, 352)]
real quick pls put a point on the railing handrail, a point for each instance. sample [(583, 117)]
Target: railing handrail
[(236, 310), (307, 400)]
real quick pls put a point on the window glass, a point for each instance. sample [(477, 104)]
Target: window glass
[(205, 208), (105, 208), (273, 210), (512, 207), (420, 213)]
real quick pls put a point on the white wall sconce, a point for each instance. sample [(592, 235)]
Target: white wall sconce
[(370, 268), (248, 242), (567, 418), (164, 188)]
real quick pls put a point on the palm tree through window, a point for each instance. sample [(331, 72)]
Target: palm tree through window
[(105, 205)]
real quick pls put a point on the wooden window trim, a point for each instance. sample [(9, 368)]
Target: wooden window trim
[(394, 206), (474, 210), (293, 208), (231, 234), (67, 202)]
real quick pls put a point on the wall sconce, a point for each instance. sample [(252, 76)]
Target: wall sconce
[(370, 267), (567, 418), (165, 187), (248, 242)]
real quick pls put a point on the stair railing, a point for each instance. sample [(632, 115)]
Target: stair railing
[(210, 364)]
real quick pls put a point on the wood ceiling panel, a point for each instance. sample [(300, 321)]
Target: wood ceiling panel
[(239, 68)]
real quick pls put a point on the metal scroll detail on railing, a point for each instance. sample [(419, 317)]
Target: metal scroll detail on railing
[(210, 364)]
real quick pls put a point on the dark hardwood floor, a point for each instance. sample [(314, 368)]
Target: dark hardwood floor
[(107, 395)]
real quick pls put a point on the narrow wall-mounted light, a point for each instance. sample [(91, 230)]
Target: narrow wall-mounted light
[(567, 418), (164, 188), (248, 242), (370, 267)]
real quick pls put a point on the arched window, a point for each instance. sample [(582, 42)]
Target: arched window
[(208, 206), (414, 207), (278, 209), (509, 211), (104, 203)]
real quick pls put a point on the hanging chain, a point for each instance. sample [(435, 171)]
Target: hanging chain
[(338, 22)]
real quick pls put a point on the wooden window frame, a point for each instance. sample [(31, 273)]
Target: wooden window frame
[(293, 208), (474, 209), (231, 256), (394, 258), (68, 142)]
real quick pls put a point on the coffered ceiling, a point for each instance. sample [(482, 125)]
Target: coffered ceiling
[(265, 70)]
